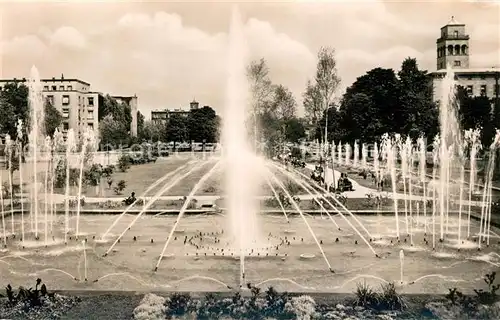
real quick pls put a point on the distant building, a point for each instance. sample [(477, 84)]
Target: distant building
[(161, 116), (78, 104), (453, 49)]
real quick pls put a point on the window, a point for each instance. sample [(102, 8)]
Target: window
[(61, 88), (90, 115), (65, 126), (455, 33), (45, 88), (91, 101), (50, 99), (483, 91), (70, 88), (91, 126), (54, 88), (65, 100), (457, 63), (470, 90), (497, 89)]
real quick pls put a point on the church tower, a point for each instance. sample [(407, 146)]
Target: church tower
[(453, 46)]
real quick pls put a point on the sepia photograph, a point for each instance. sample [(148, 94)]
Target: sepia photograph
[(309, 160)]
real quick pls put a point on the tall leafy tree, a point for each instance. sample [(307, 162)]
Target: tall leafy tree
[(327, 79), (261, 95), (153, 131), (53, 118), (113, 133), (476, 112), (177, 129), (313, 106), (14, 106), (294, 130), (418, 114), (373, 111), (203, 125), (140, 125)]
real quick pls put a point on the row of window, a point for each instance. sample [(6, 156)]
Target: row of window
[(90, 125), (90, 114), (66, 100), (61, 88), (483, 92), (452, 50)]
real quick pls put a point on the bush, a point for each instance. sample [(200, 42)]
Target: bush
[(389, 299), (152, 307), (365, 296), (124, 162), (120, 187), (303, 307), (178, 304), (109, 204)]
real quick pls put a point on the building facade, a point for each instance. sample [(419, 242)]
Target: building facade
[(453, 52), (77, 103), (162, 116)]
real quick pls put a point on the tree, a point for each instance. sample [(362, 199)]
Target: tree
[(14, 106), (283, 106), (153, 131), (313, 105), (294, 130), (177, 129), (418, 114), (335, 125), (203, 125), (261, 94), (140, 126), (113, 133), (374, 110), (326, 78), (476, 112), (53, 118)]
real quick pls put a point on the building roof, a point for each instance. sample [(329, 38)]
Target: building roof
[(47, 80), (453, 22), (485, 71)]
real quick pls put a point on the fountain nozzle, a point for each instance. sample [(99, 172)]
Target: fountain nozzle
[(156, 269), (85, 280), (331, 270), (96, 280), (105, 254)]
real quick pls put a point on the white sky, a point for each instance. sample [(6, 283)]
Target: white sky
[(169, 53)]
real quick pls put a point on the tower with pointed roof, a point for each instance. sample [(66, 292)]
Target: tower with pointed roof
[(453, 46)]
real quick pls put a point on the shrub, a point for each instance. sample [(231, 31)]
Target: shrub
[(29, 298), (152, 307), (124, 162), (488, 297), (303, 307), (108, 170), (275, 303), (120, 187), (390, 299), (365, 296), (178, 304), (109, 204), (209, 308)]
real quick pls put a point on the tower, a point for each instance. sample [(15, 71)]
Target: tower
[(453, 46)]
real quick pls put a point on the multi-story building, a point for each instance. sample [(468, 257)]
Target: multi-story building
[(161, 116), (77, 103), (453, 51)]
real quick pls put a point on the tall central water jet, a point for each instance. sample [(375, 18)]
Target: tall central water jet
[(240, 163), (37, 132)]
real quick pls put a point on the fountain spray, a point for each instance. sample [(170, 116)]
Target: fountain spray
[(339, 153), (347, 161), (422, 164), (37, 113), (9, 148), (484, 231), (435, 161), (401, 261), (85, 141), (356, 154), (70, 145), (333, 165), (389, 150), (364, 156), (57, 147), (48, 147), (475, 146), (3, 213), (403, 154), (84, 259), (461, 159), (19, 139)]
